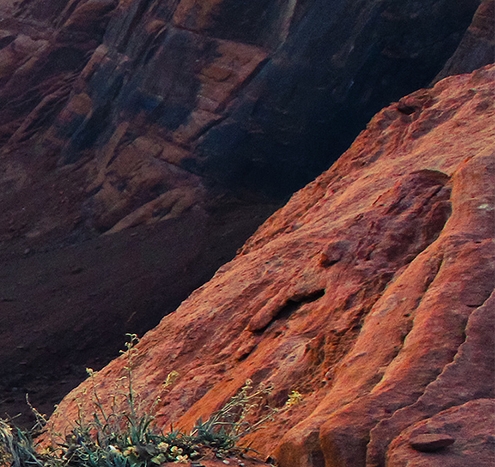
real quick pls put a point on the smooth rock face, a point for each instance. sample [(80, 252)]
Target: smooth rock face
[(370, 292)]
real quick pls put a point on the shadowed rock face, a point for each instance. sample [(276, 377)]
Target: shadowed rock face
[(159, 116), (370, 292), (259, 96), (477, 47)]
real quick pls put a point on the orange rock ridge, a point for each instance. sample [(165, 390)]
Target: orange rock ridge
[(370, 292)]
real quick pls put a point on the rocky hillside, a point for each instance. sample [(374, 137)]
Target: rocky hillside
[(370, 293), (188, 121)]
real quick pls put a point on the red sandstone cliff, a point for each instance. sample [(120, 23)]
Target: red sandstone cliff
[(158, 116), (370, 292)]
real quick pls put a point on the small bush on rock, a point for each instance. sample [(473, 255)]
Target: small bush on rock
[(130, 438)]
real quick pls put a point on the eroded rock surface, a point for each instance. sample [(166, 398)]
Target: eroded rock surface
[(471, 424), (370, 292), (158, 116)]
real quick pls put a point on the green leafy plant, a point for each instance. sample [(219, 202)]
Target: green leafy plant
[(16, 447), (130, 438)]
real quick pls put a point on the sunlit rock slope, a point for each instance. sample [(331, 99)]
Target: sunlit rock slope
[(370, 292)]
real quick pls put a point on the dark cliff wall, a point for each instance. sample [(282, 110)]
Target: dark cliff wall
[(477, 47), (261, 95)]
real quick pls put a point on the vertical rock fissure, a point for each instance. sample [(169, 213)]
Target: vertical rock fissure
[(459, 349)]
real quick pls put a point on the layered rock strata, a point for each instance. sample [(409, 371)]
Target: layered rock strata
[(259, 97)]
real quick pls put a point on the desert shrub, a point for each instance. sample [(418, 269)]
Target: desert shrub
[(130, 438)]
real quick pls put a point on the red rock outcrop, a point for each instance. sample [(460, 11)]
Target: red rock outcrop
[(370, 292), (157, 115)]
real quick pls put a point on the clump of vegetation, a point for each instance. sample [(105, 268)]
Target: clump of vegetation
[(130, 438)]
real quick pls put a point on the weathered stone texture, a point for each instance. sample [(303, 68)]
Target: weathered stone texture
[(370, 292), (259, 96)]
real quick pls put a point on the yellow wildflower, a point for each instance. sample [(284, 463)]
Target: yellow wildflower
[(295, 398)]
